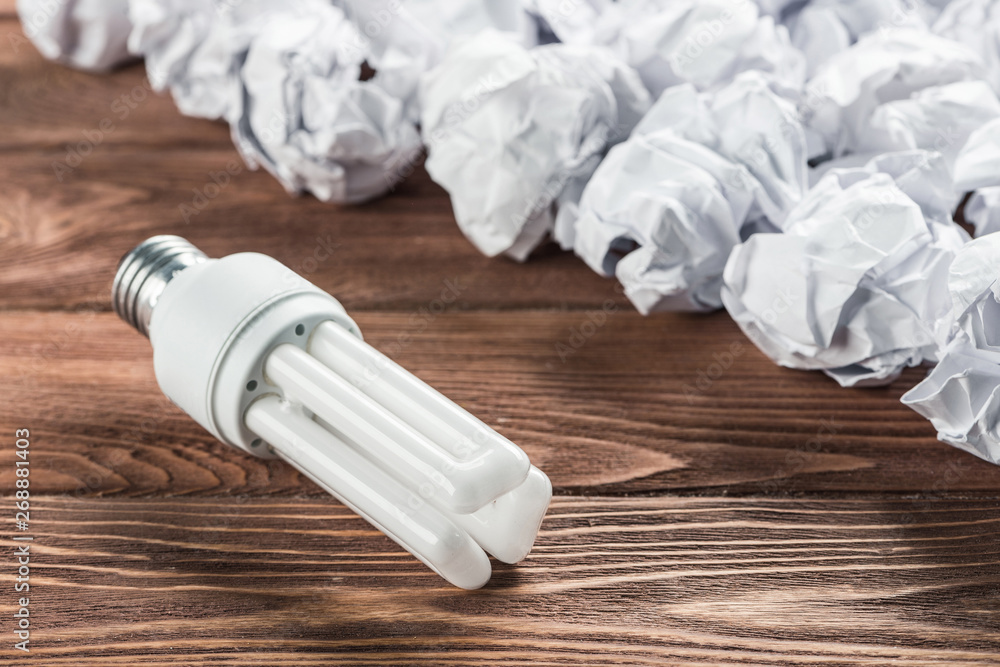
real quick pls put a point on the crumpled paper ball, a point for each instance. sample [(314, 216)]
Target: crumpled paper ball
[(977, 170), (403, 40), (961, 395), (841, 101), (978, 163), (823, 28), (286, 75), (308, 119), (939, 118), (86, 34), (976, 25), (514, 133), (193, 48), (577, 22), (669, 42), (855, 285), (665, 208), (982, 211)]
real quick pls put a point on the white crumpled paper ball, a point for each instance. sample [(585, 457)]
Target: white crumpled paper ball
[(284, 73), (855, 285), (514, 133), (882, 68), (86, 34), (977, 170), (406, 39), (823, 28), (665, 208), (669, 42), (194, 48), (961, 395), (976, 25), (308, 119)]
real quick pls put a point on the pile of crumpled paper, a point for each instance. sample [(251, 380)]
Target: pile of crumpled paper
[(797, 162)]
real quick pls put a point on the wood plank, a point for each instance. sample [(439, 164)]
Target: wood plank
[(74, 198), (60, 242), (622, 413), (692, 581), (64, 222), (49, 106), (805, 523)]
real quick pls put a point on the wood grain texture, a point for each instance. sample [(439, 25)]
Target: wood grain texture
[(52, 107), (713, 508), (239, 580), (60, 242), (66, 222), (622, 413)]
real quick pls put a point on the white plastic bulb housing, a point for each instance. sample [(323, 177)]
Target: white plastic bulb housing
[(271, 364)]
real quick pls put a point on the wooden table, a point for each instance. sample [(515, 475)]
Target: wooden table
[(710, 507)]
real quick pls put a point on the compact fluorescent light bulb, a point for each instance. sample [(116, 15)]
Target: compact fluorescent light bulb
[(271, 364)]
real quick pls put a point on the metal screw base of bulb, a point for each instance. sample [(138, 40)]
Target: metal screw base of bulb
[(144, 272)]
